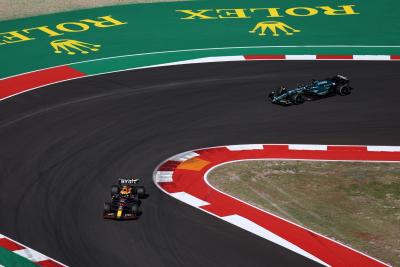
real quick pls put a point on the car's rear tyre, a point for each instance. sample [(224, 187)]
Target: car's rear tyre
[(114, 190), (141, 191), (271, 96), (107, 207), (298, 99), (343, 90)]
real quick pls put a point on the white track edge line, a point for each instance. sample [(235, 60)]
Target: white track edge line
[(209, 49), (194, 150), (26, 247), (250, 226), (335, 241), (137, 68)]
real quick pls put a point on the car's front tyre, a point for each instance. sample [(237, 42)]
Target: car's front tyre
[(107, 207), (297, 99), (114, 190), (134, 209), (140, 191)]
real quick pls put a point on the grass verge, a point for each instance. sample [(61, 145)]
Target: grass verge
[(356, 203)]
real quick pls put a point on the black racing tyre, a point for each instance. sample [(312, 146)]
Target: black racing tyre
[(114, 190), (134, 209), (107, 207), (343, 90), (298, 99), (140, 190), (136, 199), (271, 96)]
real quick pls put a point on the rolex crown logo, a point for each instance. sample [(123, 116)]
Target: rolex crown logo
[(73, 46), (273, 26)]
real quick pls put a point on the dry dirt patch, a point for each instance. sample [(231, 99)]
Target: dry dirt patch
[(357, 203), (11, 9)]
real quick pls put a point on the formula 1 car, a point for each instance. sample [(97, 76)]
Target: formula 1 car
[(125, 200), (337, 85)]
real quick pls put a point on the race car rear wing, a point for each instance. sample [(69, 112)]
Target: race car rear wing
[(128, 181)]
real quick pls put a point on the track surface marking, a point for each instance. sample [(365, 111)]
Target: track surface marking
[(64, 145)]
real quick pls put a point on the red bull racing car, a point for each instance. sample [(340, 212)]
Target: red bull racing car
[(125, 200)]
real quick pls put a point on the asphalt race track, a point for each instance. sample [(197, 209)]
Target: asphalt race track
[(63, 146)]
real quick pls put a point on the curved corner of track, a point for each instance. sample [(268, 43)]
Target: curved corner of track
[(184, 177), (146, 115)]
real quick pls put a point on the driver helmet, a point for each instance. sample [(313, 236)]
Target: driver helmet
[(125, 191)]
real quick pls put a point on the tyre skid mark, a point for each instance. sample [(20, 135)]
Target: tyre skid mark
[(21, 83)]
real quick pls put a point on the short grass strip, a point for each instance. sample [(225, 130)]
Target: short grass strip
[(357, 203)]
